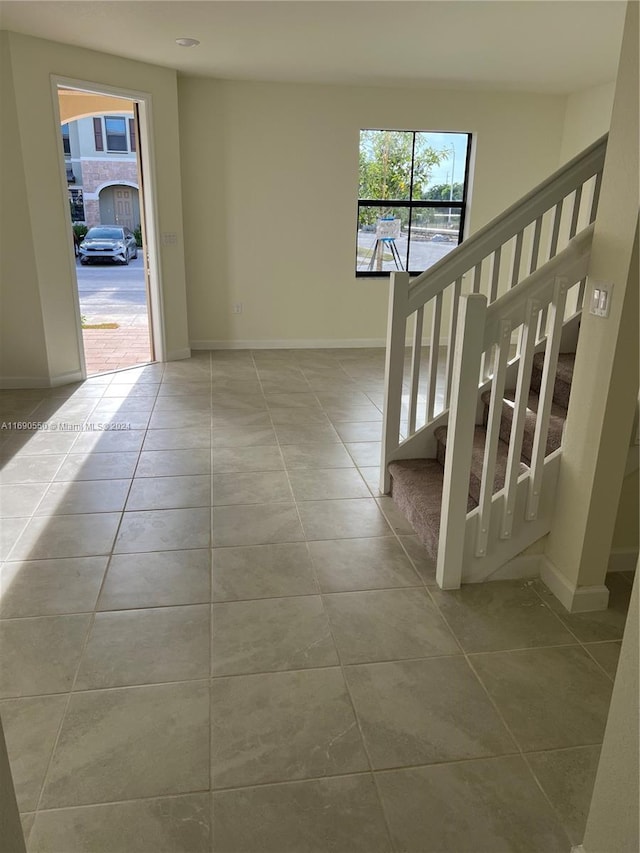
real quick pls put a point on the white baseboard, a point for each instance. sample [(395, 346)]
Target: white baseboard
[(66, 378), (292, 343), (179, 354), (623, 560), (8, 383), (304, 343), (574, 599)]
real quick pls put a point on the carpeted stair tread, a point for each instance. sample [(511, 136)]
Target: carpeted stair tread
[(556, 422), (564, 375), (417, 484), (416, 488), (477, 459)]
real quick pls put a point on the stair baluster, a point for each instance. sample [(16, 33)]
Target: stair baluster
[(455, 496), (453, 324), (556, 315), (394, 368), (493, 435), (520, 410), (434, 353), (416, 355)]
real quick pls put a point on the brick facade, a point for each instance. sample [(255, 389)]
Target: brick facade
[(91, 212), (96, 172)]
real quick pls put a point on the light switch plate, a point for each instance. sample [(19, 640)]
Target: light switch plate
[(600, 303)]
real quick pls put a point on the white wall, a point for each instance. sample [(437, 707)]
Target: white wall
[(44, 242), (587, 117), (605, 381), (612, 824), (22, 347), (626, 531), (270, 183)]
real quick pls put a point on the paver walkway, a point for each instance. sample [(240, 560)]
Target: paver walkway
[(113, 349), (113, 294)]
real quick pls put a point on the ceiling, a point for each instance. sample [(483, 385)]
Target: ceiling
[(551, 46)]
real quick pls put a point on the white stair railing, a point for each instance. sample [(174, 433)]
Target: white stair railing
[(484, 330), (492, 262)]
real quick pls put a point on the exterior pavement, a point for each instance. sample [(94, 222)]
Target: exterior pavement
[(114, 294)]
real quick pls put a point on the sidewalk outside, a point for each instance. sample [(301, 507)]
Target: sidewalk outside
[(111, 294)]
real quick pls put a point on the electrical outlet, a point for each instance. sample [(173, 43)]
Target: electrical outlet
[(236, 308)]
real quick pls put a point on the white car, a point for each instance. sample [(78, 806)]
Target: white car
[(108, 243)]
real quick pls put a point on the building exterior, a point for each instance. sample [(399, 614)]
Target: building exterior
[(102, 170)]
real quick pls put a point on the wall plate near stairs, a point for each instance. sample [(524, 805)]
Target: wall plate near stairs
[(600, 303)]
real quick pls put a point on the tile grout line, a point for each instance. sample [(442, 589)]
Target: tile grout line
[(328, 622), (573, 634), (320, 592), (85, 643), (521, 752), (500, 715), (345, 681)]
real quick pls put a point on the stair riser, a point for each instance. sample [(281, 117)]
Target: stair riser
[(417, 485), (475, 478), (562, 385), (417, 492), (554, 439)]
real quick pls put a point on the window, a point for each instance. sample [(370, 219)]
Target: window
[(116, 133), (412, 199), (66, 143), (97, 134), (76, 203), (132, 134)]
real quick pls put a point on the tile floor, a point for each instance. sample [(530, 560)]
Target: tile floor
[(217, 636)]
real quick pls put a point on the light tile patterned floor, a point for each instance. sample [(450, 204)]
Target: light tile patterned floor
[(217, 635)]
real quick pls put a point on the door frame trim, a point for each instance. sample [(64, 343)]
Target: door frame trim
[(147, 193)]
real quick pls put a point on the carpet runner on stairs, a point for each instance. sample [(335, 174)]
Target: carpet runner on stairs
[(417, 484)]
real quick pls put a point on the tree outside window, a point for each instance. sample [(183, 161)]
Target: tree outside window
[(413, 186)]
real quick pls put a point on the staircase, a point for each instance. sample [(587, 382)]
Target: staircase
[(417, 484), (472, 436)]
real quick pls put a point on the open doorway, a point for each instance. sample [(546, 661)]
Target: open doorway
[(104, 172)]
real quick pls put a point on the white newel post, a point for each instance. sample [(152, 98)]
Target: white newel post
[(393, 371), (462, 421)]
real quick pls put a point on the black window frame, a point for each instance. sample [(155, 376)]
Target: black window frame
[(109, 134), (412, 204)]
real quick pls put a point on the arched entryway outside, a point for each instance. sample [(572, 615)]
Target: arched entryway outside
[(119, 204)]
